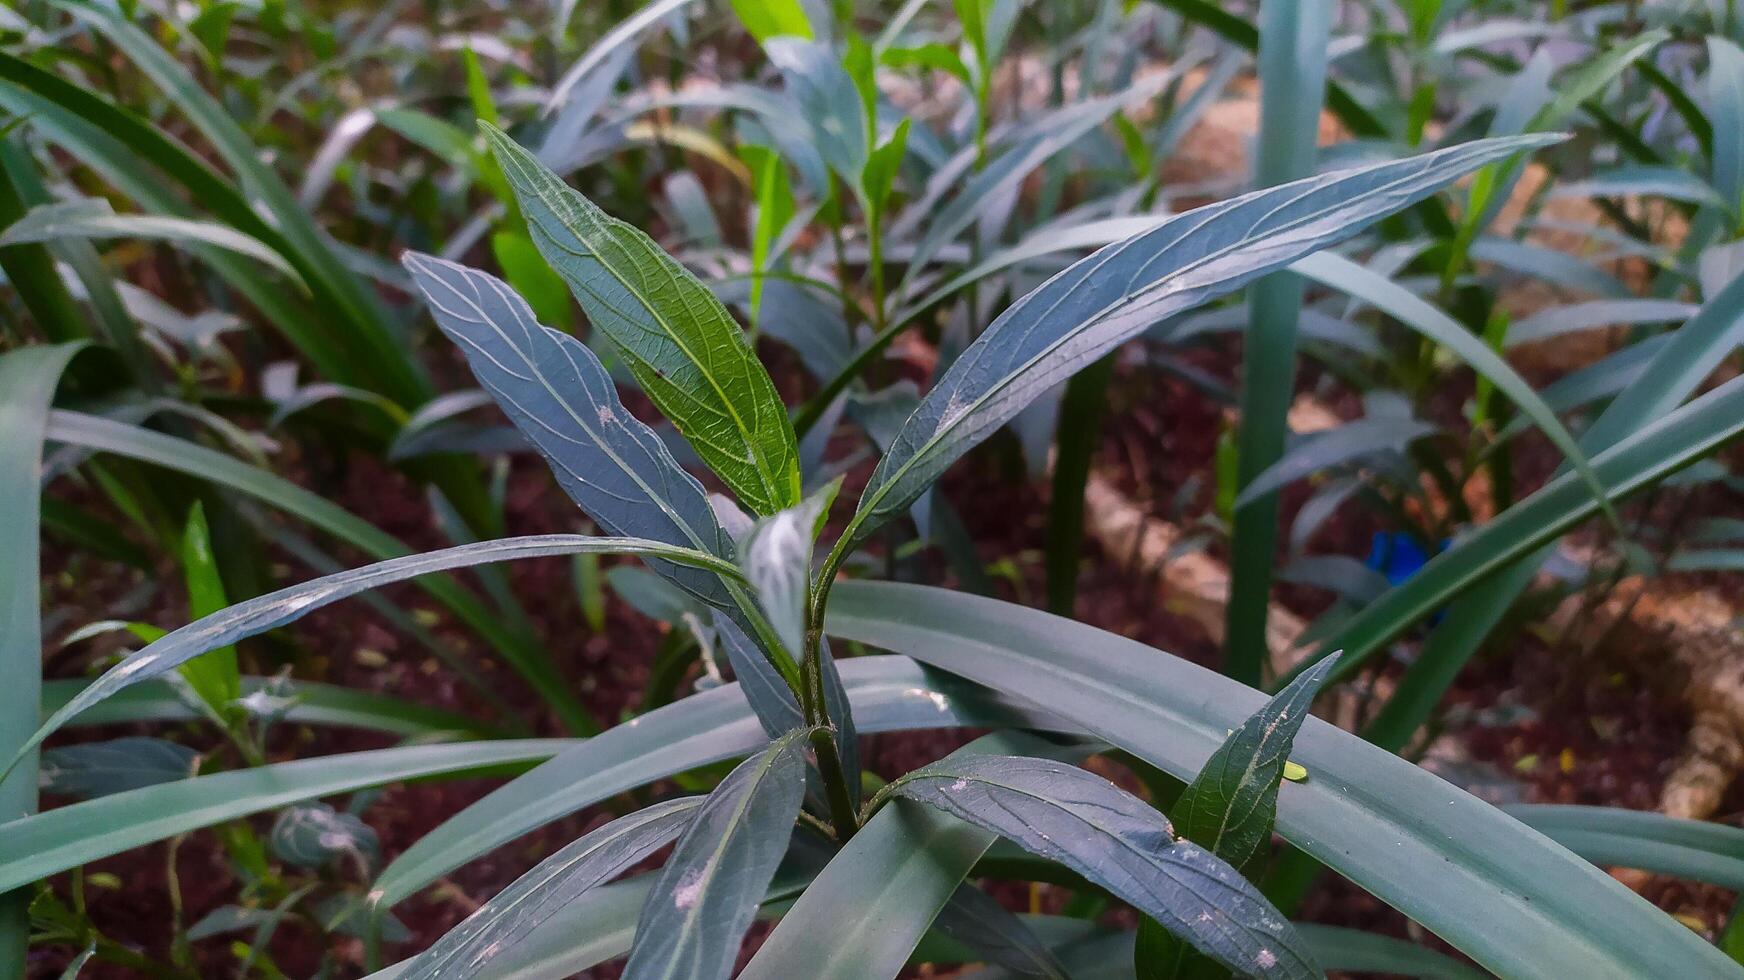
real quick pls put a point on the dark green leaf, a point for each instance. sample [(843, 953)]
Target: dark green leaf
[(95, 769), (681, 344), (559, 395), (1066, 814), (501, 923), (1103, 300), (705, 897)]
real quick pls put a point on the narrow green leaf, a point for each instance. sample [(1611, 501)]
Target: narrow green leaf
[(1726, 106), (1292, 72), (311, 703), (287, 605), (87, 218), (215, 677), (677, 339), (1103, 300), (1699, 850), (559, 395), (705, 897), (1081, 820), (863, 914), (28, 378), (46, 844), (1231, 805), (888, 693), (765, 19), (1423, 317), (501, 923), (1334, 447)]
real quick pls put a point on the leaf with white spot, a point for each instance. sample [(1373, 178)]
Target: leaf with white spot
[(685, 350), (312, 835), (1069, 815), (704, 899), (559, 395), (542, 892)]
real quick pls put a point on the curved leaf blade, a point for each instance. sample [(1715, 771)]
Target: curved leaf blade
[(530, 901), (287, 605), (704, 899), (678, 340), (1099, 302), (28, 379), (52, 842), (559, 395), (889, 694), (1072, 816), (862, 916)]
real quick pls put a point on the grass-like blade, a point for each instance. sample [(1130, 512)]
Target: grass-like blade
[(49, 843), (1105, 299), (94, 218), (1292, 73), (28, 378), (275, 609), (533, 898), (683, 347), (312, 703), (1699, 850), (703, 900)]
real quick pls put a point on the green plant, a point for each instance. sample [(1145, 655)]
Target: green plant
[(771, 612)]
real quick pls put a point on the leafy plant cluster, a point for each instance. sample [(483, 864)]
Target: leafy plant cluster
[(846, 179)]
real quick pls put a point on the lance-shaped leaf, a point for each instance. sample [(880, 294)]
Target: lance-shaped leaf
[(558, 880), (704, 900), (289, 604), (559, 395), (847, 736), (1231, 805), (683, 347), (1080, 314), (1072, 816)]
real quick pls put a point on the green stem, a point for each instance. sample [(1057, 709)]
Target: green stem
[(1292, 69)]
